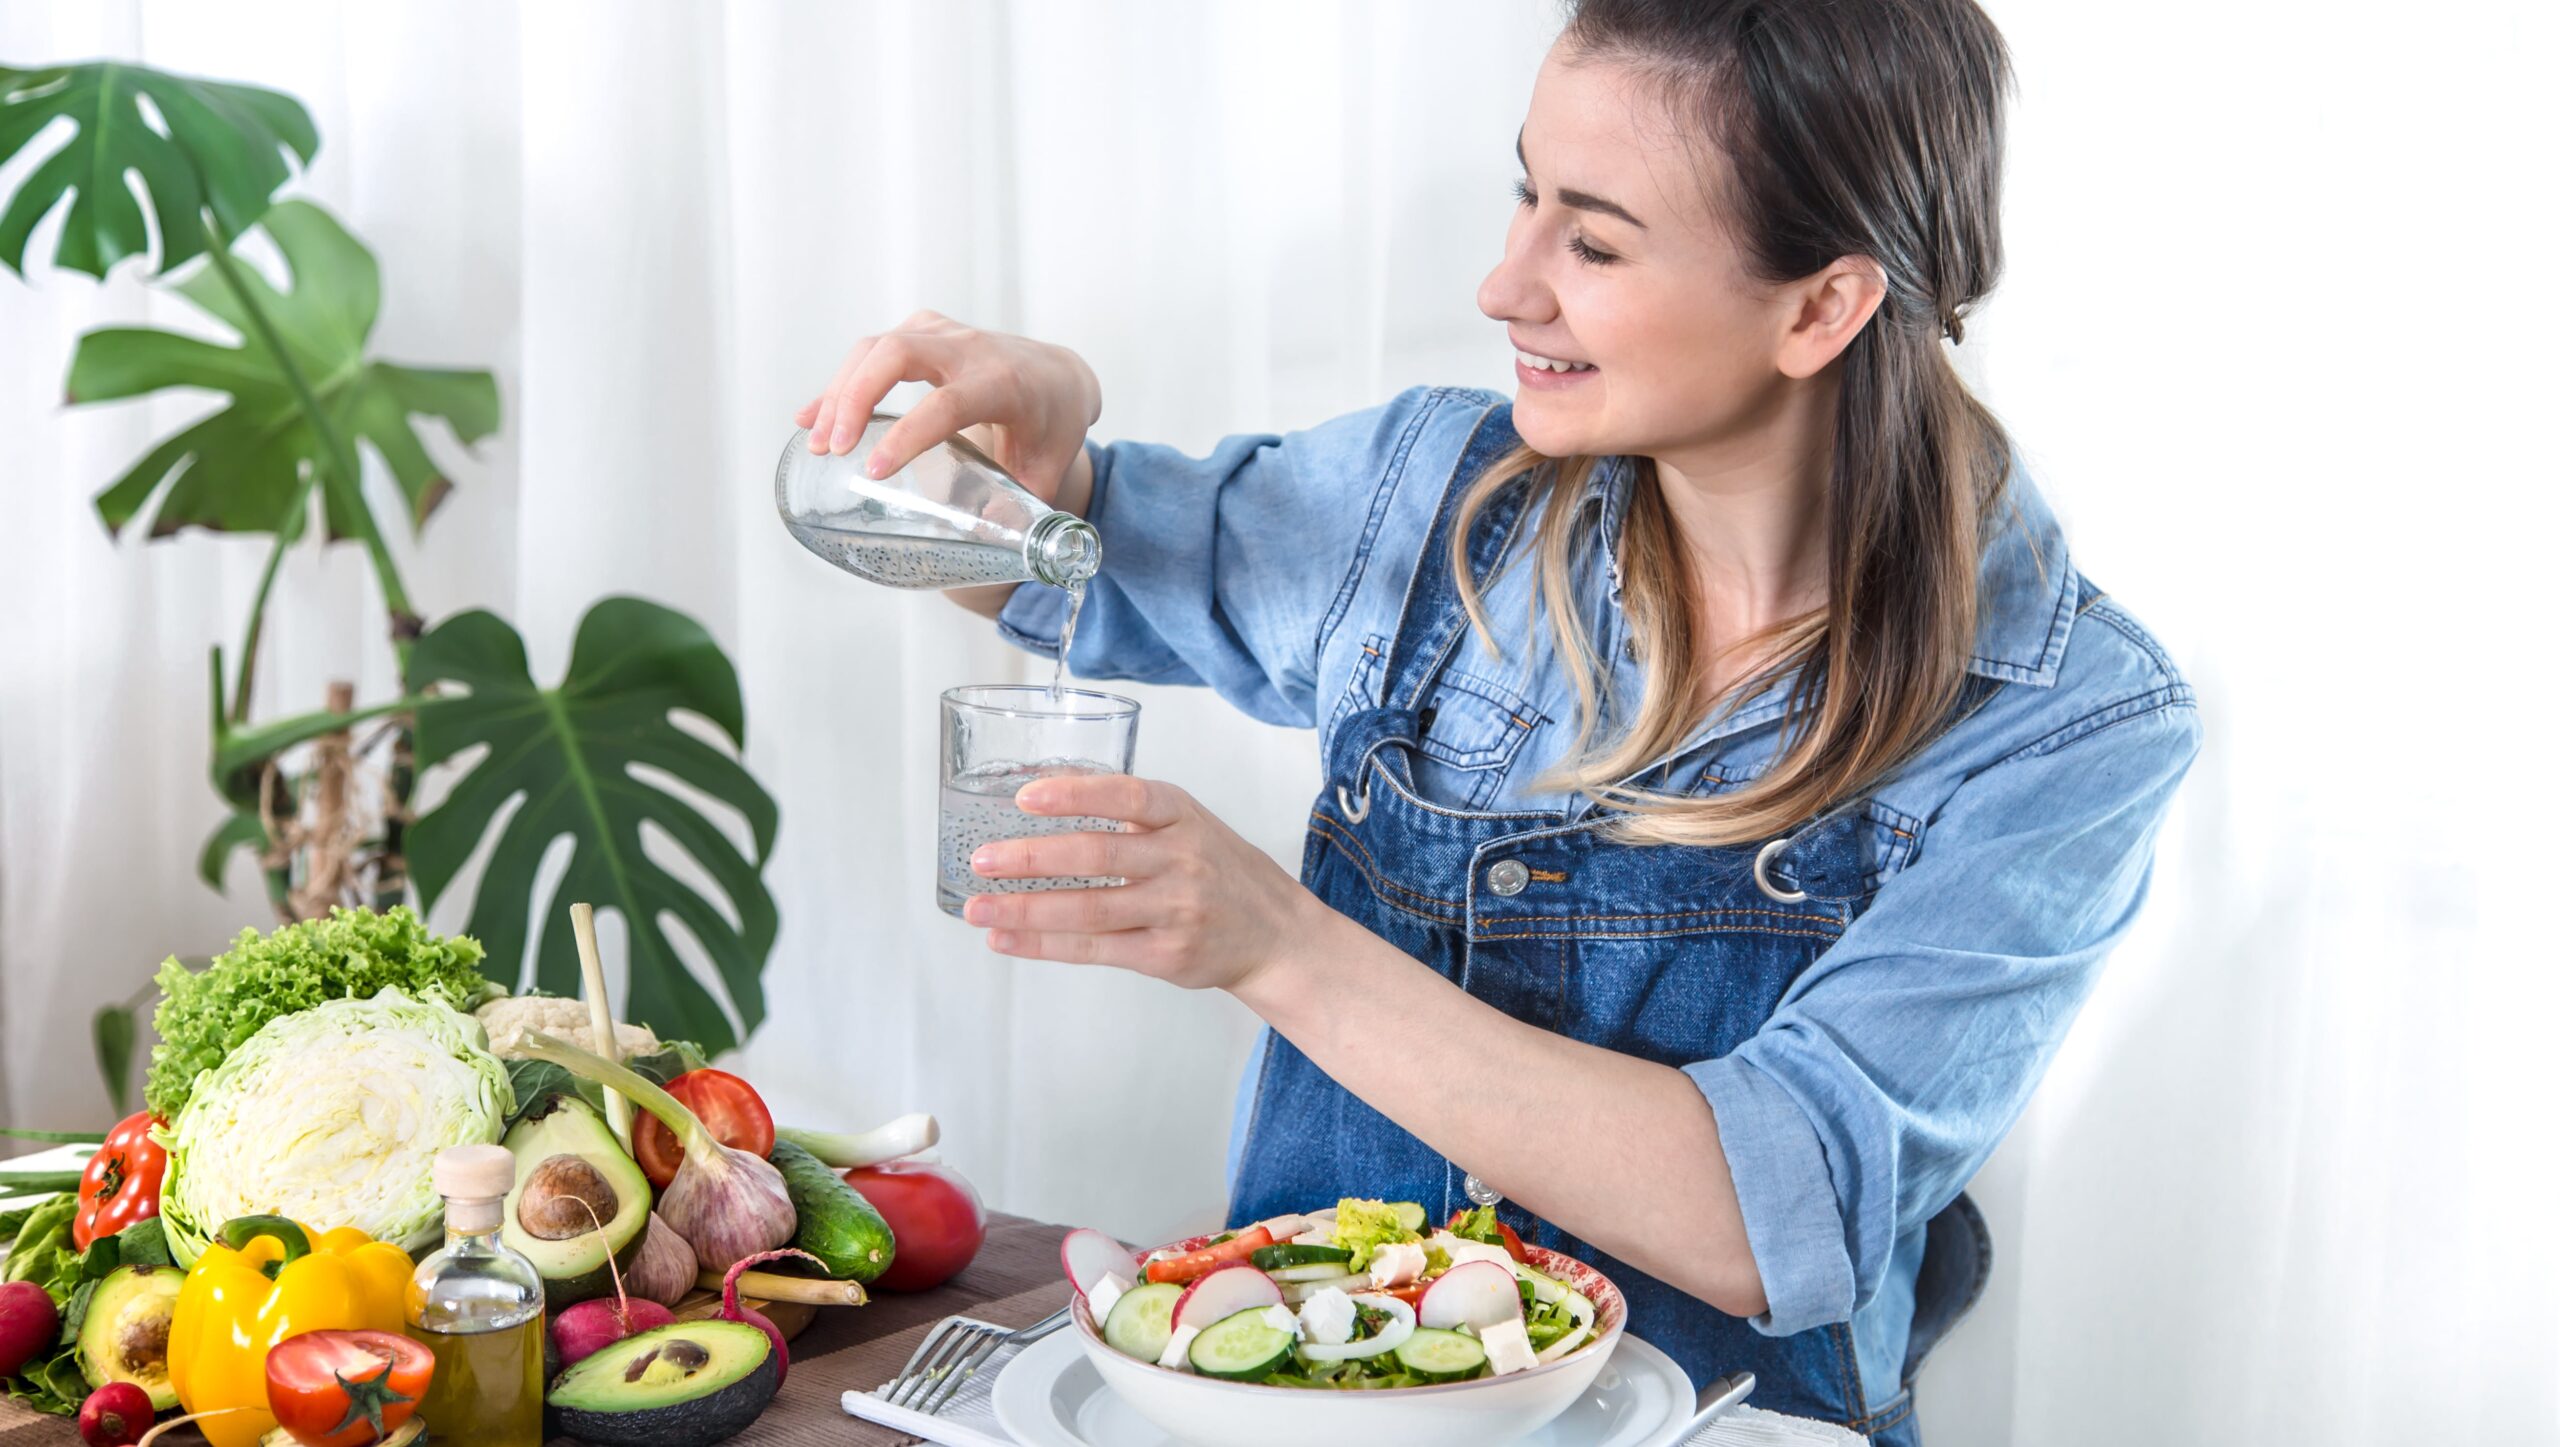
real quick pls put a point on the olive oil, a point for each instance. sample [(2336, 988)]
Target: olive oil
[(488, 1385), (477, 1304)]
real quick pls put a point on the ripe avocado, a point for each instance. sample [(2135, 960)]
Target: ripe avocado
[(686, 1384), (568, 1162), (125, 1337)]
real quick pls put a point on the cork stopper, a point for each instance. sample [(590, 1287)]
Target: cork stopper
[(474, 1173)]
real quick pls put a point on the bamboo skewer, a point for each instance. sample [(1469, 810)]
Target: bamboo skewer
[(617, 1111)]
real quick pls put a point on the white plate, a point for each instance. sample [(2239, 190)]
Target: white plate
[(1052, 1397)]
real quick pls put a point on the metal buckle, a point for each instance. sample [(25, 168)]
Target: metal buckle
[(1354, 813), (1760, 872)]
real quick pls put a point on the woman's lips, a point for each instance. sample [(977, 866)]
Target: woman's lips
[(1548, 381)]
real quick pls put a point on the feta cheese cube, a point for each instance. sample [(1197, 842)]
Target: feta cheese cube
[(1396, 1263), (1280, 1318), (1177, 1352), (1106, 1294), (1318, 1235), (1460, 1250), (1327, 1316), (1506, 1347)]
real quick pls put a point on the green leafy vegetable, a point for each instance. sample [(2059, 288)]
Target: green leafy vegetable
[(1363, 1226), (1478, 1224), (353, 954), (334, 1115), (537, 1081)]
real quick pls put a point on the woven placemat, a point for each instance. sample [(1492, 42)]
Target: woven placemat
[(1015, 1281)]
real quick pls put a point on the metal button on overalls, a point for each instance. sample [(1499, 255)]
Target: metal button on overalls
[(1507, 877)]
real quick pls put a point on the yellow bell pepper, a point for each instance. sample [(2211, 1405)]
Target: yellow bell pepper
[(268, 1279)]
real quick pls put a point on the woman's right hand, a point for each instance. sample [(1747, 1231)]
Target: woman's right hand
[(1028, 403)]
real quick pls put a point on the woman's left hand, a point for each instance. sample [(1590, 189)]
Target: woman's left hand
[(1202, 908)]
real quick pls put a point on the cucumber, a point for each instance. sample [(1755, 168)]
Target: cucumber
[(1321, 1271), (1141, 1321), (1244, 1347), (1409, 1216), (1273, 1258), (1441, 1356), (835, 1224)]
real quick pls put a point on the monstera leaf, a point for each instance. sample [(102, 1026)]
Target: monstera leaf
[(218, 146), (250, 466), (568, 757)]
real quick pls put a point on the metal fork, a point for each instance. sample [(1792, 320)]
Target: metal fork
[(956, 1347)]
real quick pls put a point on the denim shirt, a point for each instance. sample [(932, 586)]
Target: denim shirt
[(2007, 858)]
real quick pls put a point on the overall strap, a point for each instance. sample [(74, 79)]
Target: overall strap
[(1433, 618)]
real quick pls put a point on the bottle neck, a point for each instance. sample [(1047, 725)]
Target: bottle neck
[(1062, 549), (472, 1223)]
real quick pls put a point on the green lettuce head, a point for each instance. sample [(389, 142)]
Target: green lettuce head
[(333, 1116)]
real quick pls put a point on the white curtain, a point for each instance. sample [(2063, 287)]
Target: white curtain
[(2272, 332)]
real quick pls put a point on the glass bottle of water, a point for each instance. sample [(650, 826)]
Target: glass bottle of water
[(949, 519), (477, 1304)]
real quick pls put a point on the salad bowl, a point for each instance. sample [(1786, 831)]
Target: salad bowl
[(1484, 1412)]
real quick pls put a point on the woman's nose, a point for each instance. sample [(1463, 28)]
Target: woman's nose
[(1512, 290)]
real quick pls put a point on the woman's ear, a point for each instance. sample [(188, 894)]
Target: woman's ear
[(1828, 308)]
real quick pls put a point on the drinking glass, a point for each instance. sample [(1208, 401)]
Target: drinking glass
[(997, 738)]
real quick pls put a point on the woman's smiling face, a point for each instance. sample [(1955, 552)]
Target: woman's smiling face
[(1618, 264)]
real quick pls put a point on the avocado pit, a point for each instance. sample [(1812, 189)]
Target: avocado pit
[(559, 1195)]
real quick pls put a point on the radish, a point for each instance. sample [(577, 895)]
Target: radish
[(28, 1321), (730, 1308), (1473, 1293), (581, 1331), (1089, 1256), (1221, 1294)]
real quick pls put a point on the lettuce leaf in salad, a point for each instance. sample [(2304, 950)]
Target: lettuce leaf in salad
[(1362, 1226)]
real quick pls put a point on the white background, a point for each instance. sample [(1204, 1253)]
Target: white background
[(2275, 333)]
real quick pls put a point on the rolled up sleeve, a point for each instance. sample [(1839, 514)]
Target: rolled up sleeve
[(1225, 570), (1896, 1063)]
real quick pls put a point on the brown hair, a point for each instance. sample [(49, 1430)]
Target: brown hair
[(1866, 128)]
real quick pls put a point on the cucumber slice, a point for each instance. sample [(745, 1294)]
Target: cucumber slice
[(1273, 1258), (1409, 1215), (1440, 1356), (1321, 1271), (1244, 1347), (1141, 1320)]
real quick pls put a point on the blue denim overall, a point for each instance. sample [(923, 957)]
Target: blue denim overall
[(1674, 954)]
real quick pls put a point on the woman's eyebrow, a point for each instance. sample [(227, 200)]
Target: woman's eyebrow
[(1580, 200)]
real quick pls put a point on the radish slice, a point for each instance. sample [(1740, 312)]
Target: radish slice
[(1283, 1228), (1473, 1293), (1221, 1294), (1389, 1337), (1090, 1256)]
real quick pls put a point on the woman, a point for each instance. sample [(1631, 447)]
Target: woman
[(1731, 788)]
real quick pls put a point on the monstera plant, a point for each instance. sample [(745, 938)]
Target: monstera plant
[(324, 797)]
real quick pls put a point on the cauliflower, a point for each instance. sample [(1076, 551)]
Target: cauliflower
[(507, 1021)]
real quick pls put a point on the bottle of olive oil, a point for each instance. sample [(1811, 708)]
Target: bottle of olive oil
[(477, 1304)]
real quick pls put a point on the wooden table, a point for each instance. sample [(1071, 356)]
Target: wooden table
[(1015, 1281)]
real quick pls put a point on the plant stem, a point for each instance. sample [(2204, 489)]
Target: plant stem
[(257, 626), (341, 475)]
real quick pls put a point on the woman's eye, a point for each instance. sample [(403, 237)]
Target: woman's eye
[(1527, 196), (1590, 253)]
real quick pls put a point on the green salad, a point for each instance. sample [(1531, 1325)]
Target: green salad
[(1356, 1296)]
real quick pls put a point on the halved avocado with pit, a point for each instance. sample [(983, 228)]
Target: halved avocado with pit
[(686, 1384), (125, 1336), (567, 1165)]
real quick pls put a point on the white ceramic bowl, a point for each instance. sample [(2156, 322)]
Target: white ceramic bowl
[(1486, 1412)]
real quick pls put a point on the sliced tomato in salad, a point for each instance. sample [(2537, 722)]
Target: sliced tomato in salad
[(1192, 1265)]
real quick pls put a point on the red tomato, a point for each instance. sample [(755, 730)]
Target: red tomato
[(122, 1182), (1192, 1265), (728, 1105), (346, 1388), (933, 1213), (1510, 1238)]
